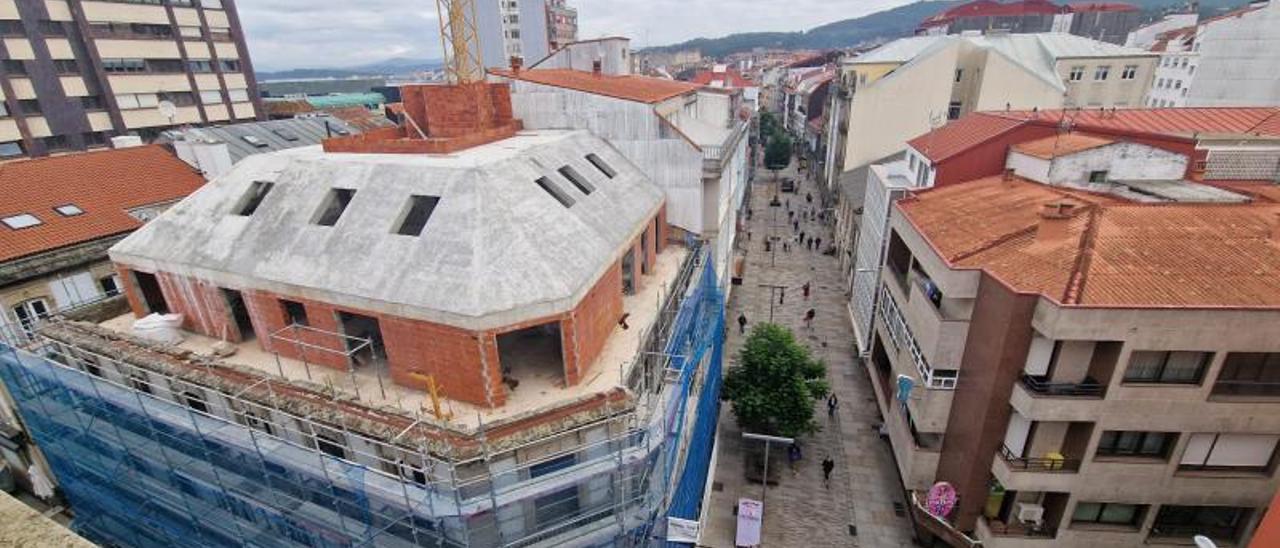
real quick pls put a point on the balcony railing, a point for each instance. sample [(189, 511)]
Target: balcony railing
[(1246, 388), (1043, 464), (1087, 388), (718, 153), (1003, 529), (1216, 532), (900, 335)]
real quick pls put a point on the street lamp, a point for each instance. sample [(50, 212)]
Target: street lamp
[(768, 440)]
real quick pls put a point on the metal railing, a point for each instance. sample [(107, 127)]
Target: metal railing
[(1041, 464), (1246, 388), (1003, 529), (717, 153), (1086, 388)]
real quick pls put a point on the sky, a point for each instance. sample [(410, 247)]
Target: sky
[(284, 34)]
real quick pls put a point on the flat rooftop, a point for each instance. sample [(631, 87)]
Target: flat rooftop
[(538, 390), (22, 525)]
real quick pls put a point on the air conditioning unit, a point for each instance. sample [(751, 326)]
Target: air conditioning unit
[(1030, 513)]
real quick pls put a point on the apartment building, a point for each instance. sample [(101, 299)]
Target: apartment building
[(1221, 61), (1106, 21), (562, 22), (527, 29), (910, 86), (691, 140), (77, 72), (1057, 344), (468, 338)]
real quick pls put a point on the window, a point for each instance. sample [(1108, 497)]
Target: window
[(331, 445), (238, 95), (959, 74), (557, 506), (14, 66), (1101, 73), (130, 101), (1166, 367), (164, 65), (12, 27), (69, 210), (1098, 176), (195, 401), (110, 285), (229, 65), (953, 110), (580, 182), (138, 380), (55, 143), (1249, 374), (66, 66), (1177, 84), (51, 28), (253, 198), (124, 65), (1108, 513), (602, 166), (210, 97), (555, 191), (214, 4), (1218, 522), (1129, 73), (417, 213), (20, 221), (200, 66), (29, 106), (191, 32), (1116, 443), (1229, 452), (11, 150), (179, 98), (295, 313), (1076, 74), (335, 202)]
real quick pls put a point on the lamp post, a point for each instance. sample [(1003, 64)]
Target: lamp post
[(768, 440)]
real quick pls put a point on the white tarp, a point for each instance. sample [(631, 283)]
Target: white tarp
[(682, 530), (750, 517)]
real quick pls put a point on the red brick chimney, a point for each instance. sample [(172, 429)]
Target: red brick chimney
[(1055, 220)]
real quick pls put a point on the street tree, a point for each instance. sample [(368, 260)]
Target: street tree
[(774, 385), (777, 154)]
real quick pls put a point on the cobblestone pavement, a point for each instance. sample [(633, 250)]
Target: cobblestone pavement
[(858, 508)]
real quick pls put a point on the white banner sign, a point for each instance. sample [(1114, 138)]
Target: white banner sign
[(682, 530), (750, 517)]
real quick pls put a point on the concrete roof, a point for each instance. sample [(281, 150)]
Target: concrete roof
[(897, 51), (496, 251), (309, 131)]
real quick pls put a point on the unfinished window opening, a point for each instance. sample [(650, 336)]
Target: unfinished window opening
[(416, 214), (584, 186), (555, 191), (195, 400), (295, 313), (152, 296), (239, 313), (253, 198), (257, 420), (558, 506), (362, 329), (331, 444), (629, 272), (1099, 176), (600, 164), (335, 202), (531, 358), (139, 381)]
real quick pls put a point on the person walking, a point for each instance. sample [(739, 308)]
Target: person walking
[(832, 404), (795, 225), (742, 323), (817, 244), (802, 236), (808, 197), (794, 456), (805, 289), (827, 466), (808, 318)]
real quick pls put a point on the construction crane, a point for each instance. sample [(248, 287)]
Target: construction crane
[(462, 58)]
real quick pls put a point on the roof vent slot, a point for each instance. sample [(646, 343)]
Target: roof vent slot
[(416, 214), (335, 202), (253, 198), (555, 191), (577, 179), (600, 164)]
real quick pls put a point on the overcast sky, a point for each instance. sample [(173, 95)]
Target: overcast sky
[(285, 34)]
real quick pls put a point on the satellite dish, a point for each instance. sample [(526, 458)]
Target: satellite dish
[(168, 109)]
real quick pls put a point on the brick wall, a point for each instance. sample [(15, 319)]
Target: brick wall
[(584, 331)]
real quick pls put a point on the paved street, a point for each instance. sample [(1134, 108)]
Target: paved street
[(858, 509)]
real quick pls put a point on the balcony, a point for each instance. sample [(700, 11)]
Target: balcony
[(900, 335), (1246, 389), (1022, 518), (999, 528), (714, 156), (1040, 386), (1043, 464)]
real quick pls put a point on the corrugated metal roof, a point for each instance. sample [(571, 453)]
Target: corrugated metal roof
[(898, 51), (271, 135), (641, 89)]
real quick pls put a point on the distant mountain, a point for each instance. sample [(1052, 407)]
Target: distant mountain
[(880, 26), (389, 67)]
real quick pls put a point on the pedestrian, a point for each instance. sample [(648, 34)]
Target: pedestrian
[(748, 235), (808, 197), (817, 243), (805, 288), (832, 404), (827, 466), (788, 204), (742, 327), (808, 319), (794, 456), (795, 225), (749, 213), (786, 247), (791, 215), (801, 236), (809, 243)]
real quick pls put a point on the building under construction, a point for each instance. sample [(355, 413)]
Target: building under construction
[(450, 333)]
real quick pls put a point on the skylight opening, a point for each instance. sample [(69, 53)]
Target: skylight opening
[(285, 134), (601, 165), (555, 191), (69, 210), (253, 198), (255, 141), (21, 221), (577, 179), (417, 212), (335, 202)]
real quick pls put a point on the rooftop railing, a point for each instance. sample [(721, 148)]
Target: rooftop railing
[(1087, 388)]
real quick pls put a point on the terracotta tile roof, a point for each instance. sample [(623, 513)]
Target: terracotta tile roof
[(1112, 253), (960, 135), (1061, 145), (103, 184), (1090, 7), (1164, 121), (641, 89), (730, 78)]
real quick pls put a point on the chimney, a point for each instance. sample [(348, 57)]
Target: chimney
[(516, 64), (597, 67), (1055, 219)]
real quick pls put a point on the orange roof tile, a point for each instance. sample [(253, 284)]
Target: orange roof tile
[(1113, 253), (104, 184), (1061, 145), (641, 89), (1184, 122), (959, 135)]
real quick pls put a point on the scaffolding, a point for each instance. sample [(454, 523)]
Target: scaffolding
[(152, 450)]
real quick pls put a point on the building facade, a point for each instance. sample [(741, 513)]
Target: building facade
[(77, 73), (562, 23), (1105, 21), (1214, 62), (527, 29)]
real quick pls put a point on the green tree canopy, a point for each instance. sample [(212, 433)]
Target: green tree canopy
[(774, 385), (777, 154)]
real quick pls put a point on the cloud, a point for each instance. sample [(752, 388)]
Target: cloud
[(334, 33)]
